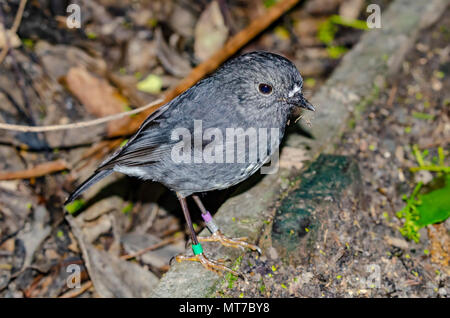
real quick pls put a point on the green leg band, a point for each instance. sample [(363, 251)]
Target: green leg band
[(197, 249)]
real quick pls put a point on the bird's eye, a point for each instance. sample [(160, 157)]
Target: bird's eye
[(266, 89)]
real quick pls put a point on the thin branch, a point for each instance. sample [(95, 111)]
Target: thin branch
[(36, 171), (19, 15), (78, 125), (14, 28), (150, 248), (78, 291)]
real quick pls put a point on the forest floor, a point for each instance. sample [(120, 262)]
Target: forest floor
[(375, 260), (120, 46)]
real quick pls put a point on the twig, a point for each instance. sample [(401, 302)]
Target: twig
[(14, 28), (150, 248), (37, 171), (77, 291), (78, 125), (392, 95), (19, 15)]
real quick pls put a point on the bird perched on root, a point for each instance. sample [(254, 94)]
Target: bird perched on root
[(214, 135)]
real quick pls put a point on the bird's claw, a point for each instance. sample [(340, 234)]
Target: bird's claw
[(230, 242), (216, 266)]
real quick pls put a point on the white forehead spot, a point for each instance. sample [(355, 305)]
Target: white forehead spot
[(294, 90)]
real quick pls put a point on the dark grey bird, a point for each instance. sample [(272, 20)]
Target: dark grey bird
[(214, 135)]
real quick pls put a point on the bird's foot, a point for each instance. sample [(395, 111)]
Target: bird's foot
[(217, 236), (212, 265)]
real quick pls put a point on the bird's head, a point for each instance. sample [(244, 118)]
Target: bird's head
[(266, 80)]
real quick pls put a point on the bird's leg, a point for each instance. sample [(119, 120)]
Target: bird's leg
[(216, 234), (212, 265)]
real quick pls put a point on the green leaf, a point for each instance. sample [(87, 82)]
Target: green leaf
[(351, 23), (327, 31), (74, 206), (336, 52), (151, 84), (128, 208), (435, 206)]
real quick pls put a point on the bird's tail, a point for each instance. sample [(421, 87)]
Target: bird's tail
[(97, 176)]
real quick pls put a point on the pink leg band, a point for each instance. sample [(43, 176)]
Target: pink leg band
[(207, 217), (210, 224)]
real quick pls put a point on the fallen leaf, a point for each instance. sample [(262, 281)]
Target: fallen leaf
[(151, 84), (210, 32), (110, 275), (322, 7), (173, 62), (13, 39), (397, 242), (30, 238), (350, 9), (97, 95)]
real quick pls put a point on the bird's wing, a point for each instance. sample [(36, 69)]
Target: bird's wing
[(142, 147), (153, 139)]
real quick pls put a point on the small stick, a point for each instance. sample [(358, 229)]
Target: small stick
[(392, 95), (14, 28), (78, 125), (150, 248), (36, 171), (77, 291)]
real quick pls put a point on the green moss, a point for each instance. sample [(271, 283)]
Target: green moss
[(229, 277), (262, 287)]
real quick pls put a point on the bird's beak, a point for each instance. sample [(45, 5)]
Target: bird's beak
[(300, 101)]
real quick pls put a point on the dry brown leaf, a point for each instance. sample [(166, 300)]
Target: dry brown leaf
[(171, 60), (13, 39), (322, 7), (97, 95), (210, 32), (308, 27), (350, 9), (110, 275)]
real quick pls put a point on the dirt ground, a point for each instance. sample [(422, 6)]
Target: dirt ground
[(374, 260)]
